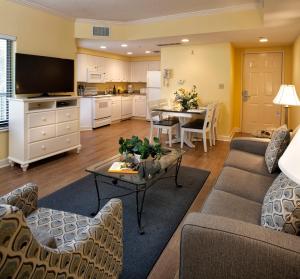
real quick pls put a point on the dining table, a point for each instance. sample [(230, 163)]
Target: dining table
[(184, 116)]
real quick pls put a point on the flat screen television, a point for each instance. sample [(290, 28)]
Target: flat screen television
[(43, 75)]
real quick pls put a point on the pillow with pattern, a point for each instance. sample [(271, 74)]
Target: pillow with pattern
[(279, 142), (281, 206)]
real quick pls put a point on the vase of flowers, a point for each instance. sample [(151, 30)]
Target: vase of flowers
[(187, 99)]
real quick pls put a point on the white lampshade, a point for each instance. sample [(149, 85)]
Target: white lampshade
[(287, 96), (289, 163)]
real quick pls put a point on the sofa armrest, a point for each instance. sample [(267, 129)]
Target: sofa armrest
[(218, 247), (25, 198), (250, 144)]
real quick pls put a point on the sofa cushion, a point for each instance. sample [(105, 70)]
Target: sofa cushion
[(279, 142), (281, 206), (244, 184), (232, 206), (62, 226), (248, 161)]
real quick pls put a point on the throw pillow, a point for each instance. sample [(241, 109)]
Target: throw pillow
[(279, 142), (281, 206)]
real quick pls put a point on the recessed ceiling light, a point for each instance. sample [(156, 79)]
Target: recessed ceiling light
[(263, 40), (103, 47), (124, 45), (129, 52), (147, 51), (185, 40)]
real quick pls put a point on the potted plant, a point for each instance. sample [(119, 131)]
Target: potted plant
[(140, 149)]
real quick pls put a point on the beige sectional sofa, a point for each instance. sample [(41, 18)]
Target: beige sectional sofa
[(225, 239)]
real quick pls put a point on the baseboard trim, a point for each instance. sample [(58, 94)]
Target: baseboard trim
[(4, 163), (229, 137)]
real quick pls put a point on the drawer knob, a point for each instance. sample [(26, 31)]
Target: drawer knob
[(44, 118), (43, 147), (68, 140), (68, 114), (68, 127), (43, 133)]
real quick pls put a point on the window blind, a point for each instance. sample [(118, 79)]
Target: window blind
[(6, 78)]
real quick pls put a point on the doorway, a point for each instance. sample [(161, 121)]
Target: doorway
[(262, 77)]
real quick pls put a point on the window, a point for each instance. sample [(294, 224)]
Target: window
[(6, 79)]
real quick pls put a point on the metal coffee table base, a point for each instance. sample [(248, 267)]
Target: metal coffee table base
[(140, 192)]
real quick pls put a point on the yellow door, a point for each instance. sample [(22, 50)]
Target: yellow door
[(262, 78)]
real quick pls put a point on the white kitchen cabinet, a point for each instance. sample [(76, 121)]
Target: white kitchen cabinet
[(127, 107), (139, 106), (116, 105), (154, 66), (82, 66), (139, 71)]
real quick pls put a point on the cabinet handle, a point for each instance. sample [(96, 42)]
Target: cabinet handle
[(68, 114), (43, 147), (68, 140), (43, 133), (44, 118), (68, 127)]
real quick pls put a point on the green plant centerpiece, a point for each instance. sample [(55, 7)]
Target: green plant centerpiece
[(187, 99), (140, 147), (139, 151)]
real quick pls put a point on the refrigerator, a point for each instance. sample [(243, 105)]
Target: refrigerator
[(153, 88)]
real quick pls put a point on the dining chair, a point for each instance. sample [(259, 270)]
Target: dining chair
[(202, 126), (215, 123), (160, 122)]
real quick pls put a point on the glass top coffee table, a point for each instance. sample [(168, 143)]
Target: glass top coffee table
[(137, 184)]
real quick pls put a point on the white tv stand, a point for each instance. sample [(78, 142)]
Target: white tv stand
[(42, 127)]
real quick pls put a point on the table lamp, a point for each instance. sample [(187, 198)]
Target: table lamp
[(287, 96), (289, 161)]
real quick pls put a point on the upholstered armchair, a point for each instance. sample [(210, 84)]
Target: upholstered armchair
[(45, 243)]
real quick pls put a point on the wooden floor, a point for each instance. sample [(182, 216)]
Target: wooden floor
[(59, 171)]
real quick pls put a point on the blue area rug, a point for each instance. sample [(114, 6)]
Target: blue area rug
[(164, 208)]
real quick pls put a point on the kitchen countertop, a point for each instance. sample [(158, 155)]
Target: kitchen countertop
[(116, 95)]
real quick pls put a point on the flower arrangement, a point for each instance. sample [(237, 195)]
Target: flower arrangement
[(187, 99)]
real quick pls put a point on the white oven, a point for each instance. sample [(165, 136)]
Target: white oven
[(101, 111)]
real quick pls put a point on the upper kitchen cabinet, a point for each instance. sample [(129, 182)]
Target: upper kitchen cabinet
[(95, 69), (139, 71), (117, 70), (154, 66), (90, 68)]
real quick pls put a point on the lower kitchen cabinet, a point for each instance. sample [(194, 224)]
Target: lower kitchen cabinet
[(116, 105), (139, 106), (127, 104)]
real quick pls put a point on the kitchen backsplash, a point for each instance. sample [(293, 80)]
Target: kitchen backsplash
[(119, 85)]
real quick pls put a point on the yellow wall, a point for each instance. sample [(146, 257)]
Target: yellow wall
[(38, 33), (295, 111), (238, 70), (205, 66)]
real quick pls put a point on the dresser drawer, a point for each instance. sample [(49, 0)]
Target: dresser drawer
[(37, 119), (64, 115), (66, 128), (42, 148), (41, 133), (68, 141)]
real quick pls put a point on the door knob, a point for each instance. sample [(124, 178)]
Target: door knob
[(245, 95)]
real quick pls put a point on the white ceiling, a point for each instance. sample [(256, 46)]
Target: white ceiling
[(128, 10), (279, 35)]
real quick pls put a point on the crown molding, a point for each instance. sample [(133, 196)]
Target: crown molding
[(43, 8)]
